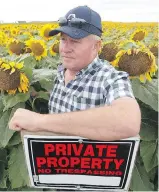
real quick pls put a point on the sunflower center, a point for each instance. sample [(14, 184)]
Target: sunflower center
[(37, 49), (9, 82), (139, 36), (135, 64), (55, 48), (108, 52), (154, 50), (17, 48)]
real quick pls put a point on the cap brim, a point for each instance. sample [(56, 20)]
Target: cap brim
[(70, 31)]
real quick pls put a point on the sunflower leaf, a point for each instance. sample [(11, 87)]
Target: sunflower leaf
[(148, 150), (5, 133), (17, 165), (149, 130), (3, 160), (3, 180), (15, 139), (45, 73), (140, 179), (147, 92), (1, 105), (9, 101), (29, 61)]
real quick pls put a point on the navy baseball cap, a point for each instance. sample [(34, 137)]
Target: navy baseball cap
[(79, 23)]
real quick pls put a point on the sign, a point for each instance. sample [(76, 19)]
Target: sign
[(67, 162)]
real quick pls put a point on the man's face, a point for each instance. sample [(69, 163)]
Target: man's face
[(76, 54)]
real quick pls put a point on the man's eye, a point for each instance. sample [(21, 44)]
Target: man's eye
[(62, 38), (75, 41)]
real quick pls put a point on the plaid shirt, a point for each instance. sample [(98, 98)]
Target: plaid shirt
[(96, 85)]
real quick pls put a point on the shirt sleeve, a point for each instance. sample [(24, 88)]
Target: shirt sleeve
[(117, 86)]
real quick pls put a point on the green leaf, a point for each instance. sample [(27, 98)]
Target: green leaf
[(41, 74), (42, 95), (140, 180), (3, 181), (29, 73), (20, 58), (3, 173), (147, 112), (23, 37), (148, 151), (15, 139), (17, 169), (149, 130), (47, 85), (3, 51), (1, 105), (129, 45), (10, 101), (30, 62), (5, 132), (147, 93), (152, 174)]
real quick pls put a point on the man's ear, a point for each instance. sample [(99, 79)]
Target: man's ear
[(98, 45)]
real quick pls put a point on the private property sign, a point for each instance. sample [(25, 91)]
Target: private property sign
[(67, 162)]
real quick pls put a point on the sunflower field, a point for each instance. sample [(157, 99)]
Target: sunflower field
[(28, 63)]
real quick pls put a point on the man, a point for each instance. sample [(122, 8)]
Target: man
[(90, 98)]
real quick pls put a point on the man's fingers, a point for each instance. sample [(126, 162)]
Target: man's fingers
[(14, 126)]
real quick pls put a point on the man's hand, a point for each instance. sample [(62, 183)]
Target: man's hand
[(25, 119)]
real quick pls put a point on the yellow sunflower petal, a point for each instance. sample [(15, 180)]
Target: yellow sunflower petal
[(5, 66), (19, 89), (12, 64), (12, 92), (19, 65), (142, 78), (148, 77), (129, 51), (12, 71)]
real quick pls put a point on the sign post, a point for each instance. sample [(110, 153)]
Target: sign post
[(70, 162)]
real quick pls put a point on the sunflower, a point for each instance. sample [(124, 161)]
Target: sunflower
[(138, 35), (37, 47), (11, 77), (108, 51), (54, 49), (44, 32), (15, 47), (14, 31), (138, 63), (3, 38)]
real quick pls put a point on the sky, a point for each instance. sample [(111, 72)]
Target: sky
[(51, 10)]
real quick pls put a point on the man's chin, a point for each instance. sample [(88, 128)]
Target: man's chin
[(70, 67)]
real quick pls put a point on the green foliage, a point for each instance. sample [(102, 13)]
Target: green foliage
[(9, 101), (148, 151), (147, 93), (3, 172), (17, 164), (145, 171), (140, 179), (5, 133)]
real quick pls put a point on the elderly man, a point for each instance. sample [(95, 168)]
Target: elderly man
[(90, 98)]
